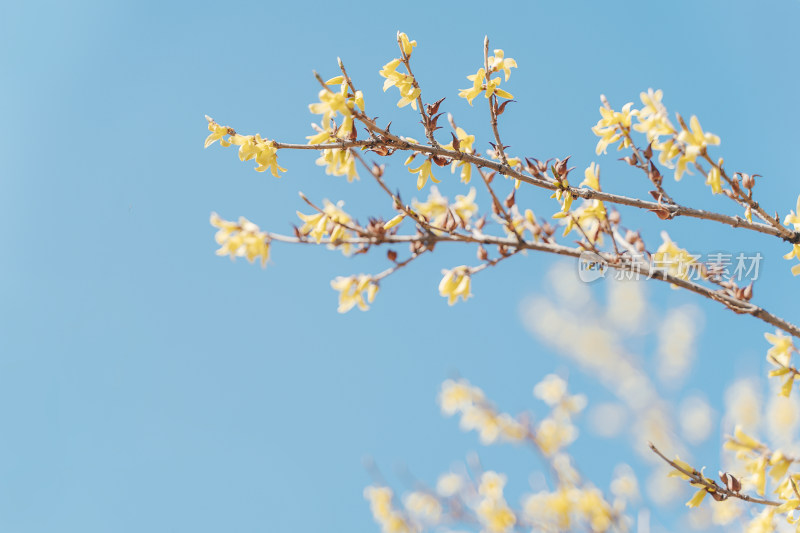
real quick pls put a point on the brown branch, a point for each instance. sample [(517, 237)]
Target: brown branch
[(711, 485)]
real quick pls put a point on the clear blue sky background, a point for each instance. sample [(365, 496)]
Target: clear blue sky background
[(148, 385)]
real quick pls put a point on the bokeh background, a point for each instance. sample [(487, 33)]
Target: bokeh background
[(146, 384)]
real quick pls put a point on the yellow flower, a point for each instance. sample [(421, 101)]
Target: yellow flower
[(455, 284), (424, 506), (217, 133), (672, 259), (652, 117), (424, 172), (394, 221), (794, 252), (390, 520), (499, 62), (609, 125), (592, 177), (793, 218), (405, 45), (456, 396), (332, 103), (338, 162), (714, 178), (331, 221), (405, 83), (465, 146), (351, 291), (495, 515), (782, 347), (465, 207), (492, 484), (697, 498), (552, 435), (695, 142), (242, 239), (477, 84), (449, 485)]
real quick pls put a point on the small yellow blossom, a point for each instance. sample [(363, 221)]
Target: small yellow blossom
[(351, 291), (608, 128), (449, 485), (465, 146), (405, 45), (653, 120), (456, 396), (423, 506), (553, 435), (455, 284), (496, 515), (592, 177), (793, 220), (697, 498), (714, 178), (782, 348), (482, 82), (339, 162), (242, 239), (423, 173), (695, 141), (390, 520), (499, 62), (672, 259), (397, 219), (492, 484)]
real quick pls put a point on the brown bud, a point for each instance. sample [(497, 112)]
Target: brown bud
[(639, 246), (391, 255), (631, 236), (648, 152), (482, 253), (502, 249), (480, 223), (440, 161), (614, 217), (748, 181), (748, 292), (510, 200)]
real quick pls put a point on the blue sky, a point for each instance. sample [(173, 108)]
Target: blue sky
[(147, 384)]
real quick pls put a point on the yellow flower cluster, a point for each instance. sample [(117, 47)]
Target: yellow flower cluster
[(250, 147), (437, 209), (465, 143), (561, 509), (338, 161), (390, 519), (757, 459), (331, 221), (493, 512), (456, 284), (793, 220), (352, 289), (476, 413), (672, 259), (482, 80), (242, 239), (330, 105), (405, 83), (423, 506), (780, 355), (556, 431)]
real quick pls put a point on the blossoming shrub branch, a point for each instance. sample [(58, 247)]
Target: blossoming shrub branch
[(349, 141)]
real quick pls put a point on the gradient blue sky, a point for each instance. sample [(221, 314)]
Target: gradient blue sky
[(148, 385)]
